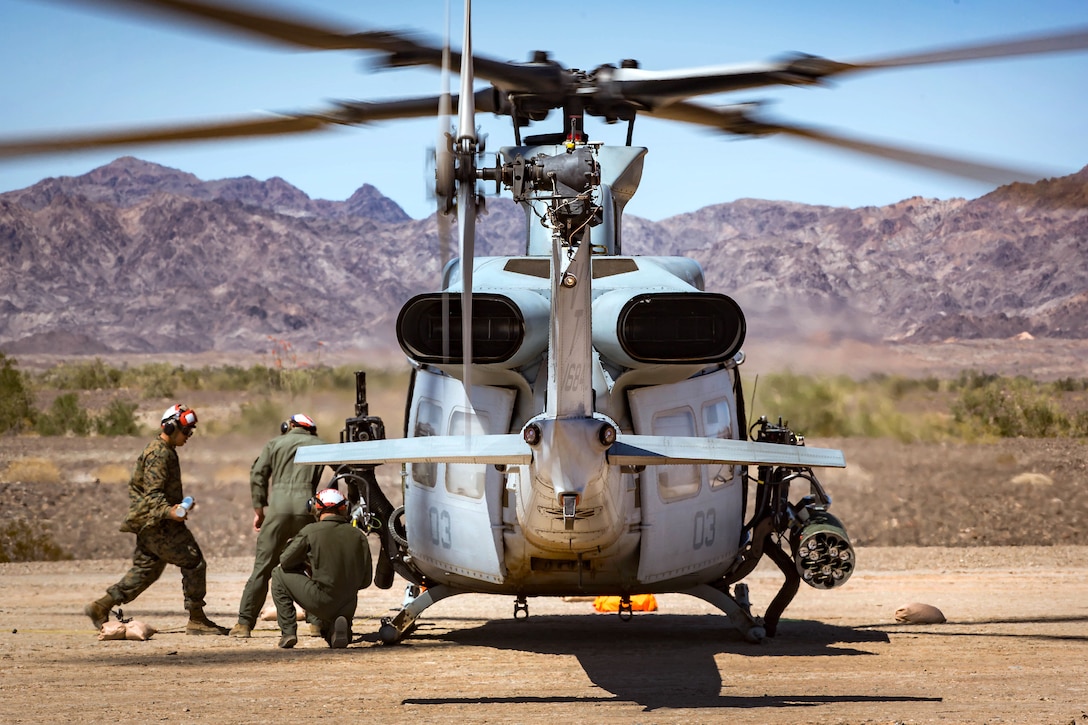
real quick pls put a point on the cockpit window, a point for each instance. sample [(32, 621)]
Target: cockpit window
[(675, 482), (467, 479), (428, 423), (718, 423)]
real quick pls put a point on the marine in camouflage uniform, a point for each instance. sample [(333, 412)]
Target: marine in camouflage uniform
[(284, 489), (323, 569), (162, 537)]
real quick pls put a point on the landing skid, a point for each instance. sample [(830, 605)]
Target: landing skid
[(394, 629), (736, 608)]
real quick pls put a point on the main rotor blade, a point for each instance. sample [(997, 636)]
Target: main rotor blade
[(737, 120), (282, 27), (347, 113), (399, 49), (1027, 45), (39, 145), (655, 88)]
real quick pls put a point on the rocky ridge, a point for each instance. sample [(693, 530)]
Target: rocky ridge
[(136, 257)]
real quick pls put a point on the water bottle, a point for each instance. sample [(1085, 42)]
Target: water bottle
[(186, 504)]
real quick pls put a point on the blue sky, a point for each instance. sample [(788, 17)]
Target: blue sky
[(67, 67)]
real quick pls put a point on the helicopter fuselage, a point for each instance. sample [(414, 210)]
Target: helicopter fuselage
[(649, 528)]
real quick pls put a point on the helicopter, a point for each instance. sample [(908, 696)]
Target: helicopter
[(576, 419)]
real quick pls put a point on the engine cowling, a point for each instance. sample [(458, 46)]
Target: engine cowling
[(667, 328), (507, 329)]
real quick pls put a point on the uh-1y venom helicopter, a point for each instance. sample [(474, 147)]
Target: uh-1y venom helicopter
[(575, 420)]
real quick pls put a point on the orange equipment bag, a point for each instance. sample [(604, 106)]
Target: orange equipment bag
[(639, 603)]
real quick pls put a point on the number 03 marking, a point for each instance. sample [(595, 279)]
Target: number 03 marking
[(704, 529)]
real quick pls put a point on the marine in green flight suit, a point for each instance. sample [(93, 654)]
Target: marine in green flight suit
[(323, 569), (281, 491)]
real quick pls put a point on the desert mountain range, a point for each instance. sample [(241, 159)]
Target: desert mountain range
[(136, 257)]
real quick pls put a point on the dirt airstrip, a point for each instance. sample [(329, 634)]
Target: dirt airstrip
[(1014, 650), (991, 533)]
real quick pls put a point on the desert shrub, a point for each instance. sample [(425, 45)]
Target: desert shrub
[(232, 377), (94, 375), (899, 387), (19, 541), (1010, 408), (1078, 425), (119, 419), (16, 404), (1070, 385), (841, 407), (154, 380), (260, 417), (64, 416), (32, 470), (974, 380)]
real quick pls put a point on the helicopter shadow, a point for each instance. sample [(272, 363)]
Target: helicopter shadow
[(628, 659)]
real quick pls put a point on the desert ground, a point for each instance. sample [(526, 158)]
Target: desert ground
[(1014, 650), (989, 532)]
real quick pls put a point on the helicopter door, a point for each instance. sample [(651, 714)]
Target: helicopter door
[(453, 512), (691, 515)]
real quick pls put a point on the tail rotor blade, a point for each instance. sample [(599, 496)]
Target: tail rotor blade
[(466, 198), (443, 150), (466, 107), (444, 174)]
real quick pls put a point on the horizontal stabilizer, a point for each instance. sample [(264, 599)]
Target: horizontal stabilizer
[(508, 449), (640, 450)]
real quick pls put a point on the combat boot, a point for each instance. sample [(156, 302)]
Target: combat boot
[(241, 630), (200, 624), (99, 611), (287, 641), (341, 634), (315, 630)]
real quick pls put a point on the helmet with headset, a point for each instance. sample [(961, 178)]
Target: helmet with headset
[(302, 420), (178, 417), (328, 500)]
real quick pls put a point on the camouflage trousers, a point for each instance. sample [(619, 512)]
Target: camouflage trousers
[(166, 542)]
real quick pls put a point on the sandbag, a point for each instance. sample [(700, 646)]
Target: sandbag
[(268, 614), (136, 631), (112, 630), (918, 613)]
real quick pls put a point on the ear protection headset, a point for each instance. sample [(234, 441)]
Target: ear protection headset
[(303, 421), (326, 500), (178, 417)]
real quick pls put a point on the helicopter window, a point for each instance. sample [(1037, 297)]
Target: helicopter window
[(718, 423), (676, 482), (428, 423), (467, 479)]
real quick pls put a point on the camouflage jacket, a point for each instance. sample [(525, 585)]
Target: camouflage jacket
[(155, 486), (276, 481)]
